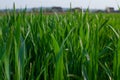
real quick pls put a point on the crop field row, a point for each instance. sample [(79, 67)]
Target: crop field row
[(73, 46)]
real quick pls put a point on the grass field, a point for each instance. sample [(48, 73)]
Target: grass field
[(73, 46)]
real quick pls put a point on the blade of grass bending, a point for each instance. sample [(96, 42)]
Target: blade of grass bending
[(1, 44), (74, 76), (116, 61), (117, 35), (58, 75), (7, 55), (118, 67), (84, 72), (22, 58), (107, 70)]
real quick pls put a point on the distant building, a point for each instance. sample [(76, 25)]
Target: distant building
[(99, 11), (57, 9), (35, 9), (47, 10), (109, 9), (117, 11), (77, 9)]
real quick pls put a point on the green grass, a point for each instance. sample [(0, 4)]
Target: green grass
[(73, 46)]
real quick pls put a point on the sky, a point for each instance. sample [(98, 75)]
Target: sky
[(92, 4)]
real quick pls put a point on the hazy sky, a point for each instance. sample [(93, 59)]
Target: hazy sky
[(94, 4)]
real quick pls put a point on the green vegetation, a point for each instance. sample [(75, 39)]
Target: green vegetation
[(73, 46)]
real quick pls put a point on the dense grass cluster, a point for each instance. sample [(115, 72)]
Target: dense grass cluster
[(73, 46)]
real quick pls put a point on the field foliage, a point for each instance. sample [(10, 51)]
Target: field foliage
[(73, 46)]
